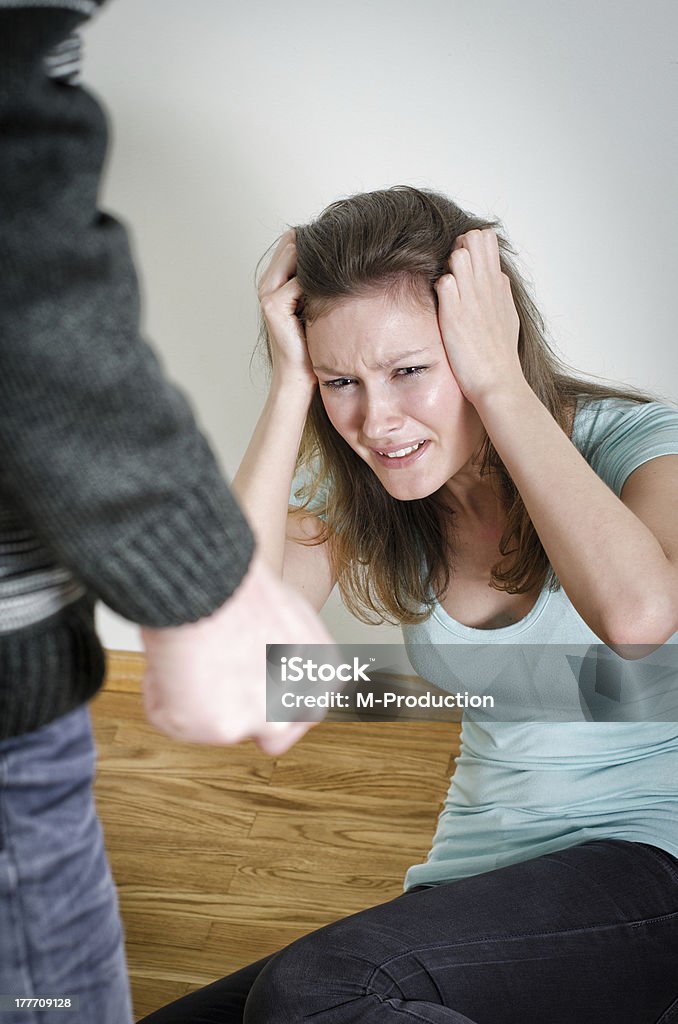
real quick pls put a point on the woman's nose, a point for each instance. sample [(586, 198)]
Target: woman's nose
[(381, 417)]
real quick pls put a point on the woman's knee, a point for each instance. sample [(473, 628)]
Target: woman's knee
[(324, 969)]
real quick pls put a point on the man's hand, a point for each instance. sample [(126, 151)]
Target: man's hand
[(206, 681)]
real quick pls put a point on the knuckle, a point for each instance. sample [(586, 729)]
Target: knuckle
[(228, 736), (275, 741), (169, 721)]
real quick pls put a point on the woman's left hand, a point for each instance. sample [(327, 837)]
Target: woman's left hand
[(478, 319)]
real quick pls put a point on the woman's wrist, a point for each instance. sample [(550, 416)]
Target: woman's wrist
[(294, 383), (505, 396)]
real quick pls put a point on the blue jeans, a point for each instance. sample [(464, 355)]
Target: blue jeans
[(60, 932), (588, 935)]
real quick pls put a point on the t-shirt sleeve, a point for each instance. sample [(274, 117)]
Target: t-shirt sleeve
[(633, 435), (298, 493)]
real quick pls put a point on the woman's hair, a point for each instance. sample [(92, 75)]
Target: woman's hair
[(393, 559)]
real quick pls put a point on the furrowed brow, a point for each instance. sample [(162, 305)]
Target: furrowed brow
[(385, 365)]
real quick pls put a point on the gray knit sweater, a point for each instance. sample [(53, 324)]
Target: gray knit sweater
[(108, 489)]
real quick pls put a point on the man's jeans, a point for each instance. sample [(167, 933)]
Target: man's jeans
[(60, 933)]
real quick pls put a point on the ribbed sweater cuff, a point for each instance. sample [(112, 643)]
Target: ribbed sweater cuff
[(182, 566)]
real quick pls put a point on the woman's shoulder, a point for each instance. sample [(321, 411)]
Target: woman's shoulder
[(596, 417), (616, 435)]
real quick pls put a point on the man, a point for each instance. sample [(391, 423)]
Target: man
[(108, 490)]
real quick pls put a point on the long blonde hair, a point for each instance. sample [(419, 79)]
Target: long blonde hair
[(393, 559)]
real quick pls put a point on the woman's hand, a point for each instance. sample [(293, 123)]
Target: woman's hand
[(279, 295), (478, 319)]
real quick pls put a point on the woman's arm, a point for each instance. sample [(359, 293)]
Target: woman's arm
[(264, 479), (618, 564), (617, 559), (262, 486)]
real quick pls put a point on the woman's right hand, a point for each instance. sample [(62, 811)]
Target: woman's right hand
[(279, 295)]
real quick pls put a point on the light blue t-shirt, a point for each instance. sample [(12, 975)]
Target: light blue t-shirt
[(521, 790)]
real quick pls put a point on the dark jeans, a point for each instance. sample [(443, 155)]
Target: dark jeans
[(588, 935), (60, 933)]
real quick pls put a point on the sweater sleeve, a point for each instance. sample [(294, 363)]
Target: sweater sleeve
[(99, 452)]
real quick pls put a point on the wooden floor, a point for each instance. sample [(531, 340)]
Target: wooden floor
[(224, 855)]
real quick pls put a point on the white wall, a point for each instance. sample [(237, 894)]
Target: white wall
[(232, 120)]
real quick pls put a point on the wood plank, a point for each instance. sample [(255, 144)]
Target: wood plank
[(124, 671), (225, 855), (150, 992)]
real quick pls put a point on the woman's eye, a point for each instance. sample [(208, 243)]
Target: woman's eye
[(411, 371), (338, 384), (343, 382)]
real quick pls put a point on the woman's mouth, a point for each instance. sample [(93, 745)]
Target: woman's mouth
[(398, 458)]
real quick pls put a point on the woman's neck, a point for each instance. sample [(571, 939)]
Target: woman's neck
[(476, 500)]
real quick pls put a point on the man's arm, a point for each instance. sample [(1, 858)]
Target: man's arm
[(98, 451)]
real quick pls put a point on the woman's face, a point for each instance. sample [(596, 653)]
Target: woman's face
[(388, 389)]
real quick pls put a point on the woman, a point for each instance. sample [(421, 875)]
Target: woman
[(458, 481)]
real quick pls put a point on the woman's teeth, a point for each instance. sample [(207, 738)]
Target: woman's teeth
[(402, 451)]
